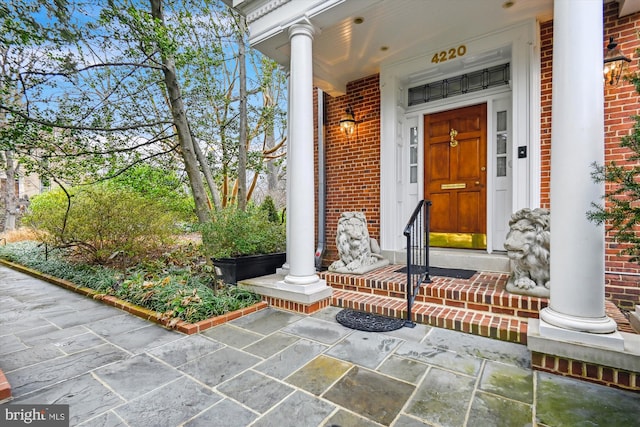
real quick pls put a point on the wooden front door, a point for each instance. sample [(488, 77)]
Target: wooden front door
[(455, 147)]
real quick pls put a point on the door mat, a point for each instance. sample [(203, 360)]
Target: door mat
[(362, 321), (457, 273)]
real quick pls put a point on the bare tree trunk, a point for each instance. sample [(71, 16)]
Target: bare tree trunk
[(10, 196), (243, 144), (204, 166), (272, 169), (182, 126)]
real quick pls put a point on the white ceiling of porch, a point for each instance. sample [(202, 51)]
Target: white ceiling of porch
[(392, 30), (345, 51)]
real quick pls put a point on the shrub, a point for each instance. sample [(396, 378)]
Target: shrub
[(270, 208), (233, 233), (103, 221), (162, 185)]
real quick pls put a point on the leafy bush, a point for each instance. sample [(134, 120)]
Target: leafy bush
[(270, 208), (233, 233), (103, 221), (162, 185), (178, 292)]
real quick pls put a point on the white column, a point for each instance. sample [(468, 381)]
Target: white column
[(301, 215), (284, 269), (577, 140)]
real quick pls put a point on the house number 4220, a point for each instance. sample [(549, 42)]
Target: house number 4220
[(445, 55)]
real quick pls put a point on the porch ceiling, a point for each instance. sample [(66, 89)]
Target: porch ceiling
[(396, 29), (391, 30)]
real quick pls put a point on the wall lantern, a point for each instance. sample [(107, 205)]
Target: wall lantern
[(614, 63), (348, 121)]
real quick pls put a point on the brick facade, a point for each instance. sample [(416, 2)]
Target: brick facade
[(353, 164), (621, 103)]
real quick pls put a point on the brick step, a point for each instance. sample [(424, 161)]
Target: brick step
[(482, 323), (483, 292)]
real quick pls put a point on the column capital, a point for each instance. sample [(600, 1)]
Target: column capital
[(302, 28)]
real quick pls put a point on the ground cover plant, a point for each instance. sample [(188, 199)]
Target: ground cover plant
[(178, 283)]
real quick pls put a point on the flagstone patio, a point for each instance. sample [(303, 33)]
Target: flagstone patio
[(275, 368)]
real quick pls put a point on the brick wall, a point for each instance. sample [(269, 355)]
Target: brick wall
[(546, 56), (621, 103), (353, 163)]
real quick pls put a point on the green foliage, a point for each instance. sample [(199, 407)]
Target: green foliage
[(270, 208), (160, 184), (177, 296), (102, 221), (233, 232), (620, 210), (178, 292), (52, 262)]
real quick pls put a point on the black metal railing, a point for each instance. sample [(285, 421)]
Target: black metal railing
[(417, 234)]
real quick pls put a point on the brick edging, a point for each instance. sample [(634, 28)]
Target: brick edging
[(5, 387), (153, 316)]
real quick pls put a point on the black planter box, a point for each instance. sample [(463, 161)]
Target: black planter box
[(246, 267)]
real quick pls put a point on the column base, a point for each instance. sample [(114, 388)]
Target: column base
[(276, 286), (579, 330), (301, 280), (598, 325)]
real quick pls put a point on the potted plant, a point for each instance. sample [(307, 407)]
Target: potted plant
[(244, 244)]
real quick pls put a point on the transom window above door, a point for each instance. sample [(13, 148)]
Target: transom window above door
[(461, 84)]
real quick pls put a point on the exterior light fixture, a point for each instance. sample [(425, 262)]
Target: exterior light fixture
[(348, 121), (614, 63)]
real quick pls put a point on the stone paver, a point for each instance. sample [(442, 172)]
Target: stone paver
[(256, 391), (232, 336), (271, 344), (85, 395), (443, 398), (317, 375), (170, 405), (564, 402), (275, 368), (185, 350), (296, 410), (291, 359), (35, 377), (136, 376), (375, 396), (367, 349), (318, 330), (226, 413), (217, 367)]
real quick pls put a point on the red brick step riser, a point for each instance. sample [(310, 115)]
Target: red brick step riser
[(504, 328), (484, 292)]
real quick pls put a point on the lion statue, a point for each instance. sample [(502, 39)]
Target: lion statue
[(358, 252), (528, 244)]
